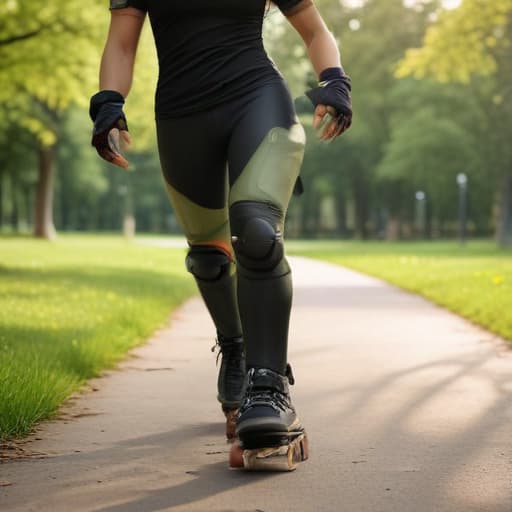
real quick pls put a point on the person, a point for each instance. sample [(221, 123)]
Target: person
[(230, 147)]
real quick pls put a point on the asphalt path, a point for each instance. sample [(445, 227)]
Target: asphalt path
[(407, 407)]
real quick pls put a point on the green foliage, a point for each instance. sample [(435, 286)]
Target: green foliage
[(466, 41), (80, 173), (408, 134), (474, 281), (72, 308), (49, 57), (360, 170), (472, 45), (430, 151), (50, 54)]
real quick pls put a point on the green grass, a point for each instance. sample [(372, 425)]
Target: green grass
[(71, 308), (474, 281)]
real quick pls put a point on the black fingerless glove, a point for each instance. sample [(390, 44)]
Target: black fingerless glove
[(334, 91), (106, 111)]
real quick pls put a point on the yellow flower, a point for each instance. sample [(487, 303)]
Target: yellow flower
[(497, 280)]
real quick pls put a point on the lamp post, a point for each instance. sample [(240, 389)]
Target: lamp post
[(421, 198), (462, 182)]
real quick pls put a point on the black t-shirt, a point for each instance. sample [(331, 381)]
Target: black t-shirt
[(209, 51)]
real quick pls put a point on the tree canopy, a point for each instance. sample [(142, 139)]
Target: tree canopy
[(48, 52), (472, 39), (431, 96), (472, 45)]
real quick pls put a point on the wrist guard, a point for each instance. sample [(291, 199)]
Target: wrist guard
[(333, 91), (106, 111)]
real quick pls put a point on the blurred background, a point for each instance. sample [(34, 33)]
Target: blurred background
[(429, 155)]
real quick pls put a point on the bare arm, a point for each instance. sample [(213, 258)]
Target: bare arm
[(116, 70), (324, 55), (116, 73), (320, 43)]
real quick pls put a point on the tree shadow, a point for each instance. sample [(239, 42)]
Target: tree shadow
[(399, 426), (203, 480)]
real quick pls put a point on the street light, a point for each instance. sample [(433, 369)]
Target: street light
[(462, 182), (420, 211)]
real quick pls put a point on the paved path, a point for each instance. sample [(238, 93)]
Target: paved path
[(408, 408)]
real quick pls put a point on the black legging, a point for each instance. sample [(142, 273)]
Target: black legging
[(230, 172)]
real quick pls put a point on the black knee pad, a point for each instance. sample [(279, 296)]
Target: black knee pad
[(256, 236), (207, 263)]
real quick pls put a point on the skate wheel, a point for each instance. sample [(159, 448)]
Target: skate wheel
[(277, 458), (231, 424), (236, 456), (298, 451)]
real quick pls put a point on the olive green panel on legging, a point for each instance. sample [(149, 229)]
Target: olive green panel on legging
[(201, 225), (272, 171), (207, 226)]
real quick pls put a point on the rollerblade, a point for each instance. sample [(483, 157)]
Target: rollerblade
[(270, 436), (230, 383)]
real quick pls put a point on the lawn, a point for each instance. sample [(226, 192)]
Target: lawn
[(474, 280), (71, 308)]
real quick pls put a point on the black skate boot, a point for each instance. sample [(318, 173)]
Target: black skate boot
[(230, 383), (270, 433)]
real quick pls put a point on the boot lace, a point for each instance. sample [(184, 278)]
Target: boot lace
[(232, 355), (267, 396)]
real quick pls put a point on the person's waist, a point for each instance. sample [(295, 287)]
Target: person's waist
[(214, 75), (177, 105)]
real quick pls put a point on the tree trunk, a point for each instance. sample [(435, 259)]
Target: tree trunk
[(428, 234), (29, 204), (393, 228), (307, 227), (341, 213), (43, 222), (15, 214), (361, 207), (504, 221)]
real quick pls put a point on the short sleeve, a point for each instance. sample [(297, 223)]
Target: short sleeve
[(291, 7), (121, 4)]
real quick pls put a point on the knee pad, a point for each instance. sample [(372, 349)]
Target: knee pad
[(207, 263), (257, 237)]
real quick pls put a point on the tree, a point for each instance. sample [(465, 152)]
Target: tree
[(471, 45), (46, 55), (373, 37), (17, 177), (49, 55), (430, 151)]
